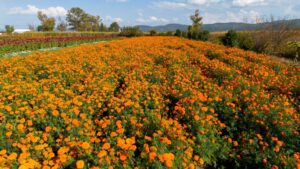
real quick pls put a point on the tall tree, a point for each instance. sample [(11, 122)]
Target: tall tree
[(114, 27), (103, 27), (197, 21), (79, 20), (9, 29), (47, 23), (75, 17)]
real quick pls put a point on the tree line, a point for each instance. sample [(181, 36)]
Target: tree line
[(76, 20)]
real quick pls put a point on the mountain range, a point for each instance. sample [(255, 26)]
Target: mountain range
[(220, 27)]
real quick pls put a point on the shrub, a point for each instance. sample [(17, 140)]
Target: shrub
[(245, 41), (203, 35), (131, 31), (153, 32), (178, 33), (199, 35), (230, 38)]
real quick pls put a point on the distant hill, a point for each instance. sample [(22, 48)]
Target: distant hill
[(217, 27)]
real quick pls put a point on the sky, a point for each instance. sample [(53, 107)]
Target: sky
[(21, 13)]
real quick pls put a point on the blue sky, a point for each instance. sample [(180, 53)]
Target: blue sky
[(21, 13)]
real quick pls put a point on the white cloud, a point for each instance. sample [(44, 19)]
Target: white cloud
[(202, 2), (170, 5), (186, 4), (243, 3), (151, 19), (31, 9), (241, 16), (112, 19)]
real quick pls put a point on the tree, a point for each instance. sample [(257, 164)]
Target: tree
[(178, 33), (79, 20), (153, 32), (131, 31), (75, 17), (114, 27), (61, 26), (103, 27), (47, 24), (9, 29), (195, 30), (197, 21), (230, 38)]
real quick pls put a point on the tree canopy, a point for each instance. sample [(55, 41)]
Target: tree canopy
[(79, 20)]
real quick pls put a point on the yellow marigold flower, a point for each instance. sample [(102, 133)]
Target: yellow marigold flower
[(23, 167), (8, 134), (80, 164)]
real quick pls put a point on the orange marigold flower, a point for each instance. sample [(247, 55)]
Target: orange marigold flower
[(152, 155), (80, 164), (55, 113), (113, 134), (196, 117), (169, 163), (47, 129), (102, 153), (12, 156), (85, 145), (106, 146), (123, 157)]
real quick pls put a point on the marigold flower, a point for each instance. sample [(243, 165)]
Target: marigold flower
[(106, 146), (85, 145), (123, 157), (152, 155), (80, 164)]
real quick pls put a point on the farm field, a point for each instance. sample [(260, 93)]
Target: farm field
[(149, 102), (33, 41)]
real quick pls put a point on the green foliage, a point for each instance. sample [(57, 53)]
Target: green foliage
[(230, 38), (103, 27), (198, 35), (197, 21), (79, 20), (131, 31), (9, 29), (153, 32), (114, 27), (245, 41), (178, 33), (47, 24)]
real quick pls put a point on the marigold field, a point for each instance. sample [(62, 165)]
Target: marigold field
[(149, 102)]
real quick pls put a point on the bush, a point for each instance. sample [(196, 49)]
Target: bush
[(230, 38), (203, 35), (245, 41), (178, 33), (169, 33), (131, 31), (153, 32), (198, 35)]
